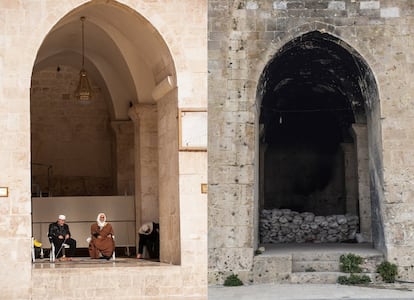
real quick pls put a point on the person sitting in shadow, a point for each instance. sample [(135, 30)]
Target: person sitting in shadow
[(149, 237), (101, 242), (59, 235)]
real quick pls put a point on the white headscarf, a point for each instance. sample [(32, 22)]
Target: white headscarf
[(101, 224)]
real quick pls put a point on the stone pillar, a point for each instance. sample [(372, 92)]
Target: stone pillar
[(169, 178), (124, 157), (144, 117), (351, 178), (360, 135)]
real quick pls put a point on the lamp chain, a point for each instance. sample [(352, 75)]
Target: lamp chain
[(83, 41)]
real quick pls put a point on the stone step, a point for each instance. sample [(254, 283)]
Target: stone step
[(329, 261), (292, 263), (315, 266), (322, 277), (330, 255), (272, 269)]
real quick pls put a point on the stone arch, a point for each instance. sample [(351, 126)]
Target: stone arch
[(133, 71), (347, 39), (364, 108)]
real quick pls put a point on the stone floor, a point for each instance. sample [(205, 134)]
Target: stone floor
[(307, 292)]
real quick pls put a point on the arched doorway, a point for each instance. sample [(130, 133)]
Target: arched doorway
[(112, 145), (318, 141)]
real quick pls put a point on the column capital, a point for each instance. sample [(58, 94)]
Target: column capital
[(141, 111)]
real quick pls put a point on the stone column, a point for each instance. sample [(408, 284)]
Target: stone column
[(169, 178), (124, 156), (351, 178), (360, 135), (144, 117)]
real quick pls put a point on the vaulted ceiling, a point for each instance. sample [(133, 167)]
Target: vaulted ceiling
[(312, 84), (124, 54)]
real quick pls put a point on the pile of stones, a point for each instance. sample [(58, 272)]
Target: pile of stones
[(287, 226)]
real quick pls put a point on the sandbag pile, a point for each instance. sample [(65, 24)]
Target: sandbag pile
[(287, 226)]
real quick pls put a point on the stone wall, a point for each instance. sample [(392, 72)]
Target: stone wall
[(75, 139), (243, 37), (179, 27)]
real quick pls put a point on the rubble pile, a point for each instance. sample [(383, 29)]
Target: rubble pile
[(287, 226)]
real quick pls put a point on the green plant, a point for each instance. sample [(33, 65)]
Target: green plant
[(354, 279), (259, 251), (349, 263), (359, 279), (342, 280), (232, 280), (388, 271)]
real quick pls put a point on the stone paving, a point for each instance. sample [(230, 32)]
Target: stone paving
[(310, 292)]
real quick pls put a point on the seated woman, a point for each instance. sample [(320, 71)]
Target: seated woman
[(102, 244)]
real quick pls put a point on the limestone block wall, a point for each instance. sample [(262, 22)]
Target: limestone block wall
[(74, 139), (243, 37), (24, 25)]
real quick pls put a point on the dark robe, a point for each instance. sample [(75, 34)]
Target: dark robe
[(151, 241), (102, 244), (55, 230)]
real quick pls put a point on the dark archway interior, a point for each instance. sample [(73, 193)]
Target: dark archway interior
[(311, 95)]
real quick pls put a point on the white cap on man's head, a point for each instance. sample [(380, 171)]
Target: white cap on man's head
[(62, 217), (146, 228)]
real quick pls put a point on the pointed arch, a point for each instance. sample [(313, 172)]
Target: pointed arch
[(320, 73), (126, 58)]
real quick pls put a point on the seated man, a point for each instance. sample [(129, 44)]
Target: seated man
[(101, 244), (149, 236), (59, 234)]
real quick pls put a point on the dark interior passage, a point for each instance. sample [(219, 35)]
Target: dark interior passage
[(310, 99)]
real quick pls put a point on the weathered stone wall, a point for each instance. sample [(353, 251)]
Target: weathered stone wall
[(243, 37)]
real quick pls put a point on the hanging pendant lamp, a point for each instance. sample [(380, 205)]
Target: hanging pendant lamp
[(84, 90)]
